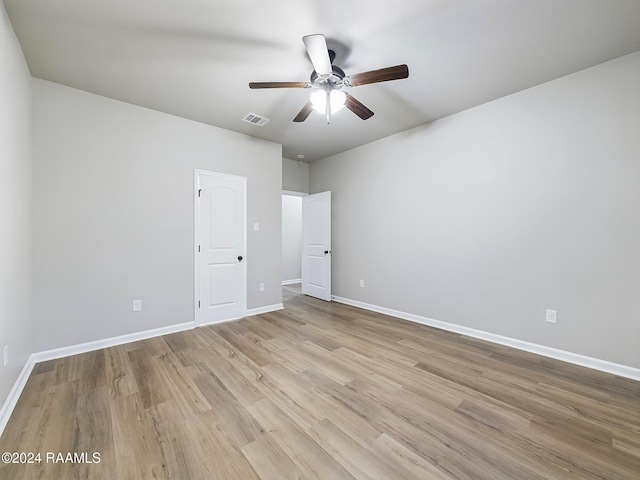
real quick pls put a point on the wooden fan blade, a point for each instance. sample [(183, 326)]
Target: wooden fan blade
[(358, 108), (304, 113), (318, 53), (279, 85), (377, 76)]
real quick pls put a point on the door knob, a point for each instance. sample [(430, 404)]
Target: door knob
[(239, 258)]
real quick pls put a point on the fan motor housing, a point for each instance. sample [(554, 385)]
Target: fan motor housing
[(336, 77)]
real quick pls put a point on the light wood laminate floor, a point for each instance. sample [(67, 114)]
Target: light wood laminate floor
[(322, 391)]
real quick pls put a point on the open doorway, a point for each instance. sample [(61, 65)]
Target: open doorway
[(292, 237), (306, 243)]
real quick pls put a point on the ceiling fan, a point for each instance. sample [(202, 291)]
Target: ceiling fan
[(328, 81)]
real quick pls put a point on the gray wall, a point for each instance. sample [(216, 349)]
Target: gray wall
[(15, 207), (113, 214), (486, 218), (295, 176)]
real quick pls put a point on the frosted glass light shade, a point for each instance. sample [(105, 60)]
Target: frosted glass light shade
[(336, 99)]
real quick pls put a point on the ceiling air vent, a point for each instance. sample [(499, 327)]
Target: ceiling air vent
[(255, 119)]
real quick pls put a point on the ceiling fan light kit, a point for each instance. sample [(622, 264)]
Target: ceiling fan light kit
[(327, 80), (337, 100)]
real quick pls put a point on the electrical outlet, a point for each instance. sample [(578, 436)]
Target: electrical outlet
[(137, 305), (361, 283), (552, 316), (262, 287), (6, 355)]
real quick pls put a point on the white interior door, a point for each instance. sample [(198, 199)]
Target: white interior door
[(220, 247), (316, 245)]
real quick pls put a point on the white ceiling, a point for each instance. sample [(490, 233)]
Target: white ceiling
[(195, 58)]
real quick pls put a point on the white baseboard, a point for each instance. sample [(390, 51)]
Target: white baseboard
[(290, 282), (14, 394), (569, 357), (266, 309), (109, 342)]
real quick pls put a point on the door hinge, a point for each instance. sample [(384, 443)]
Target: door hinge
[(199, 191), (198, 248), (198, 303)]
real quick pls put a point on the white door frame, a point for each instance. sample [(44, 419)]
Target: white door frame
[(196, 217)]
